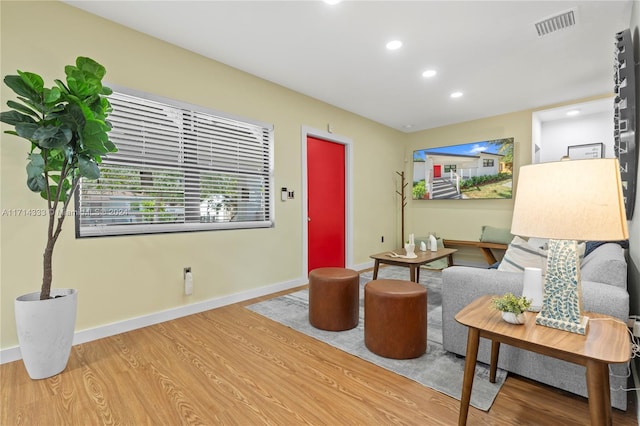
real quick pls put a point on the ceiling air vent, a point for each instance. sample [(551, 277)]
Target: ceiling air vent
[(556, 23)]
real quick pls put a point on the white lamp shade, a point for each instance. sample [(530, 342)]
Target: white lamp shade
[(570, 200)]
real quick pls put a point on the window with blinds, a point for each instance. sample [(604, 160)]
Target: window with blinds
[(178, 169)]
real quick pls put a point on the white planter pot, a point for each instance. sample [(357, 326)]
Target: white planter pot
[(512, 318), (45, 331)]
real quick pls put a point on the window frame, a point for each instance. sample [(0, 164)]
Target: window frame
[(187, 109)]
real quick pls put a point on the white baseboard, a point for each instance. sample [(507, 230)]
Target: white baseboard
[(83, 336)]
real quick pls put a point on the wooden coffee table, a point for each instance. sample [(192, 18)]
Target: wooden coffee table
[(422, 258), (606, 342)]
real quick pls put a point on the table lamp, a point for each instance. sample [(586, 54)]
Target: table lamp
[(567, 201)]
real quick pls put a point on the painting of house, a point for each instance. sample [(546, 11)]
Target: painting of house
[(459, 171)]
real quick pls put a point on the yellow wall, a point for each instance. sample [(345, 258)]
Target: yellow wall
[(125, 277), (463, 219), (120, 278)]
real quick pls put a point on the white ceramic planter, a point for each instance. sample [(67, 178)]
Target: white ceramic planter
[(45, 331), (512, 318)]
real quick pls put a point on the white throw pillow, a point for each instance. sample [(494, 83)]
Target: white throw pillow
[(530, 253), (520, 254)]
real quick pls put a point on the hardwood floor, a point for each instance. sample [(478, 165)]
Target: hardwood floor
[(232, 366)]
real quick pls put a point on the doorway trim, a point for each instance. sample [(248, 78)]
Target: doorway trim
[(348, 190)]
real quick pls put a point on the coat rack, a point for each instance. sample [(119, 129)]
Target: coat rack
[(403, 203)]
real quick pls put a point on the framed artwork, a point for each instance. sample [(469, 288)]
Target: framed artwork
[(625, 118), (475, 170), (590, 150)]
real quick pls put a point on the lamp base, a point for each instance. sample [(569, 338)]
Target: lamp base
[(579, 327), (561, 304)]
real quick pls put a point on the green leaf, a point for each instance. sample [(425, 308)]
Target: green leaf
[(88, 168), (94, 138), (34, 81), (73, 117), (20, 87), (26, 130), (37, 184), (14, 117), (35, 166), (90, 66), (53, 136), (23, 108), (52, 95), (110, 146), (82, 84)]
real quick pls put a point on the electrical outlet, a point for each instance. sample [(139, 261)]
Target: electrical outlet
[(188, 281), (636, 328)]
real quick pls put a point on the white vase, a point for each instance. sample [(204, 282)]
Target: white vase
[(45, 331), (433, 243), (410, 249), (512, 318)]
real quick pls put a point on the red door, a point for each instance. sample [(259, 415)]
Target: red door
[(437, 171), (325, 203)]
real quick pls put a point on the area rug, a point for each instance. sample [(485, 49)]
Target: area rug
[(436, 369)]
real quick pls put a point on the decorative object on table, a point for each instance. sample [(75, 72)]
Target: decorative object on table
[(512, 307), (423, 246), (532, 287), (433, 242), (410, 247), (403, 200), (568, 201), (67, 131), (625, 117)]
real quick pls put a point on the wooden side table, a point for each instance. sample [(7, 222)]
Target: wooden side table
[(606, 342)]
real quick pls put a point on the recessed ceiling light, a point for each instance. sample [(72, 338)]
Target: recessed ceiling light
[(456, 94), (332, 1), (429, 73), (408, 126), (394, 44), (573, 112)]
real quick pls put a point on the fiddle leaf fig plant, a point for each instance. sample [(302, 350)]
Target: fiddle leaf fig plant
[(67, 128)]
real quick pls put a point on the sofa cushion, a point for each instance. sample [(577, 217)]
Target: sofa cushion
[(605, 264), (492, 234)]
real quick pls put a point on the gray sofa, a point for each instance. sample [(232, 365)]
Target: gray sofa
[(604, 290)]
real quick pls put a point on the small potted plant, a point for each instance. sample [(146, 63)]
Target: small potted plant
[(512, 307)]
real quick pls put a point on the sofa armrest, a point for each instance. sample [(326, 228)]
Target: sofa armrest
[(605, 299), (460, 286)]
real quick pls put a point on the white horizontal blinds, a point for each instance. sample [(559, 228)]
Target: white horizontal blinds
[(178, 170)]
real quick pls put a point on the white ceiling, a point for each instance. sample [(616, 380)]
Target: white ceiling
[(489, 50)]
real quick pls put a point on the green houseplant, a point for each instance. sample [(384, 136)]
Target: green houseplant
[(512, 307), (67, 130)]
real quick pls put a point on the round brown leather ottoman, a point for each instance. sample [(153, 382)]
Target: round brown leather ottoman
[(395, 318), (334, 298)]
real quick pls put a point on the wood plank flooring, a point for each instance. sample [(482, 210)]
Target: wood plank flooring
[(232, 366)]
